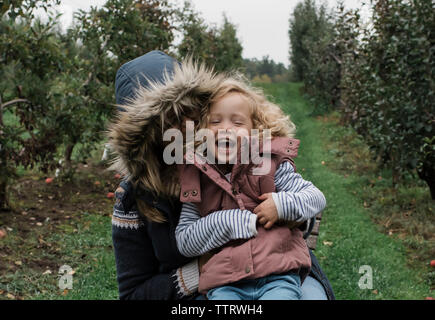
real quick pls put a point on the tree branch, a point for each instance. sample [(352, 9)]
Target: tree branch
[(14, 101)]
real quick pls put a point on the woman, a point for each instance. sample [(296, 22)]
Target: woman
[(155, 94)]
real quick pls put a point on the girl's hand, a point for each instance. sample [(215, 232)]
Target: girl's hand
[(266, 212)]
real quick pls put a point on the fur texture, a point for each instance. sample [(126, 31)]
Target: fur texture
[(136, 135)]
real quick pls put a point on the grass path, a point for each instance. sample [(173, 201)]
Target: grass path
[(348, 238)]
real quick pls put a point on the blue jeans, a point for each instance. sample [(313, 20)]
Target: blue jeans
[(312, 289), (273, 287)]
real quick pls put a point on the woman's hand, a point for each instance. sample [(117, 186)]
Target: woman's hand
[(266, 212)]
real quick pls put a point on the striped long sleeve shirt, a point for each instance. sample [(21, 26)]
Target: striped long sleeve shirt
[(295, 199)]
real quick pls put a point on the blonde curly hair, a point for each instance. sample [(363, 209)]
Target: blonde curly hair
[(265, 114)]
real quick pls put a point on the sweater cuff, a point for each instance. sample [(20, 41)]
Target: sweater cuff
[(278, 205), (187, 279), (252, 226)]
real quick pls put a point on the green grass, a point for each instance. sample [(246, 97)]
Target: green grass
[(88, 251), (348, 237), (86, 246)]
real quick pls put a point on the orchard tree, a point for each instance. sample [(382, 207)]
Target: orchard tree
[(215, 46), (101, 40), (308, 24), (394, 96), (229, 49), (31, 60), (56, 89)]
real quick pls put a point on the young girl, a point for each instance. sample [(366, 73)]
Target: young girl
[(254, 254)]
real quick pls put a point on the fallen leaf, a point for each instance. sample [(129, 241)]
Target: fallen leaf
[(18, 263), (10, 296), (47, 272), (375, 291), (327, 243), (39, 224)]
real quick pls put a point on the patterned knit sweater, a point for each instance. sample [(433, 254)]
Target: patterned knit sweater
[(149, 265)]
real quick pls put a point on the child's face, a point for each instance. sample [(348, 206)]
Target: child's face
[(231, 114)]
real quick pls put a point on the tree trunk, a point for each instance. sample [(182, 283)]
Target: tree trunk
[(68, 153), (4, 201), (427, 173)]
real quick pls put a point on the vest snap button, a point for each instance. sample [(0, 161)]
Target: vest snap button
[(290, 143), (204, 168), (185, 194), (248, 269), (288, 150), (194, 193), (234, 191)]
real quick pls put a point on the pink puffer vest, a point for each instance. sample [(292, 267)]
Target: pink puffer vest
[(272, 251)]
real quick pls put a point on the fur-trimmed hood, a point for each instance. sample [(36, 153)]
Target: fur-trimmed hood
[(155, 104)]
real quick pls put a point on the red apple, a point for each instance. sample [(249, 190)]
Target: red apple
[(48, 180), (117, 176), (432, 263), (110, 195)]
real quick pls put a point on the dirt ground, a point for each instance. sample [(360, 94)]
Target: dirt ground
[(40, 209)]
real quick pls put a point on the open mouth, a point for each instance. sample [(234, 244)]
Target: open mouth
[(226, 143)]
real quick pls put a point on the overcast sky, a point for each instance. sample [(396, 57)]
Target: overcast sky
[(262, 25)]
